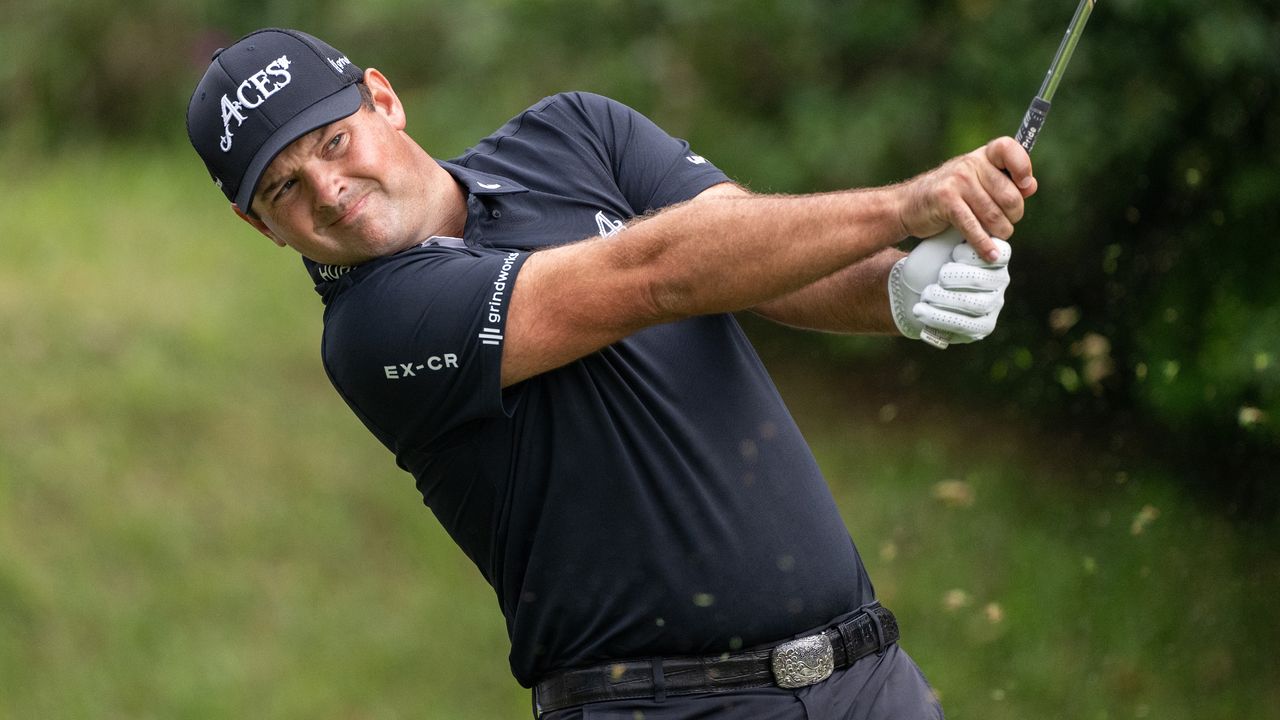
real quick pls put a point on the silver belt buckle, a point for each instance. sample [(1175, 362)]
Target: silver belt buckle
[(803, 662)]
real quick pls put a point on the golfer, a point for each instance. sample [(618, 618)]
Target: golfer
[(540, 331)]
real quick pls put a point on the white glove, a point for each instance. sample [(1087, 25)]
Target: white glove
[(943, 292)]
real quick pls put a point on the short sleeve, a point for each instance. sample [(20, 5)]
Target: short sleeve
[(414, 345), (651, 168)]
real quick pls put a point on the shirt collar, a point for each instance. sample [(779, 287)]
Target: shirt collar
[(481, 183)]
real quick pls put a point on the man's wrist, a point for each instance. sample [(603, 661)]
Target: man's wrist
[(896, 199), (886, 205)]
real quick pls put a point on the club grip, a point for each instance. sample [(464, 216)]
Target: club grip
[(1032, 122)]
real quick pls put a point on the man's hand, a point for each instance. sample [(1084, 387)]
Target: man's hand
[(963, 300), (980, 193)]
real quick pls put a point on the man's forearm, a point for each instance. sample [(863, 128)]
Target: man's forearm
[(852, 300), (730, 253), (713, 255)]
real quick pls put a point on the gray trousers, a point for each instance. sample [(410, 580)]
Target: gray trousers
[(877, 687)]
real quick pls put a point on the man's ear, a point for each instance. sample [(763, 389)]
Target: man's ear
[(385, 100), (257, 225)]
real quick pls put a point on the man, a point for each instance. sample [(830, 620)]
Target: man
[(583, 415)]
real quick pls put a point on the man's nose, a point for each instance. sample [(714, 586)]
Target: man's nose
[(329, 185)]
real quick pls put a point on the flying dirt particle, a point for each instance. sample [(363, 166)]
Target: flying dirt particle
[(889, 552), (994, 613), (704, 600), (955, 599), (1094, 351), (1147, 515), (888, 413), (1063, 319), (954, 493), (1250, 416)]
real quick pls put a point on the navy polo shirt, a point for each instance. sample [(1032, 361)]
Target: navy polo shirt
[(654, 498)]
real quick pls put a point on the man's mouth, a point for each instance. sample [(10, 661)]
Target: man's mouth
[(353, 210)]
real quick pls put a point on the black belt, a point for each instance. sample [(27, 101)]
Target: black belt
[(791, 664)]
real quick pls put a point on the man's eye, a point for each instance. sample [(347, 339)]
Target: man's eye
[(284, 188), (336, 140)]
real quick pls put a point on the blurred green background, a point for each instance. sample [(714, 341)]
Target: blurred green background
[(1075, 518)]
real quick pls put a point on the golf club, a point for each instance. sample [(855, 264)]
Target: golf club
[(921, 269)]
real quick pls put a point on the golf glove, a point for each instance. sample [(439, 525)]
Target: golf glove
[(945, 289)]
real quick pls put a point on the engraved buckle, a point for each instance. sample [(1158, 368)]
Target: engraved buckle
[(803, 662)]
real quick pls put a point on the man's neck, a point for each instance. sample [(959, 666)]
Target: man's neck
[(454, 213), (446, 202)]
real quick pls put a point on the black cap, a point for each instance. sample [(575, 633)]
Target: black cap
[(268, 89)]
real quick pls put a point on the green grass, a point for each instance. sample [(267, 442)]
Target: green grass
[(193, 525)]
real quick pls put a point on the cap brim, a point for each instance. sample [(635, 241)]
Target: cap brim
[(331, 109)]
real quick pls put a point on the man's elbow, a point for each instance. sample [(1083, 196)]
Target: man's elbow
[(652, 287), (668, 298)]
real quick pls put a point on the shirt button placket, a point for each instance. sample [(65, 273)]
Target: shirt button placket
[(476, 212)]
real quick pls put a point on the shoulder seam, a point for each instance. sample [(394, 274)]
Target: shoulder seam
[(545, 102)]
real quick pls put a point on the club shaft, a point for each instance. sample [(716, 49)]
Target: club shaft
[(1065, 50), (1036, 113)]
